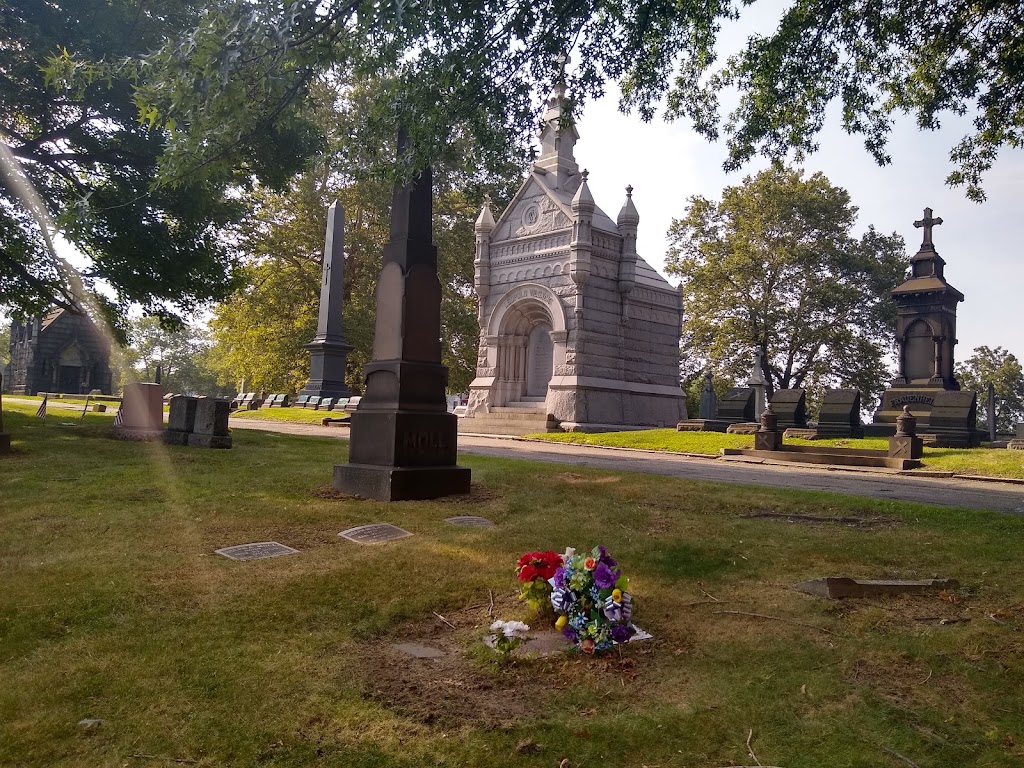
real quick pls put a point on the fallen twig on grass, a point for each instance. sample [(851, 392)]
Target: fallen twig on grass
[(927, 678), (778, 618), (897, 755), (166, 759), (704, 592), (442, 618), (750, 750), (490, 608)]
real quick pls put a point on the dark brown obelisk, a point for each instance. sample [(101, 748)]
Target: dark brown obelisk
[(5, 439), (403, 440)]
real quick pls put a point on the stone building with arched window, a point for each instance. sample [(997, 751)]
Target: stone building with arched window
[(577, 331), (57, 352)]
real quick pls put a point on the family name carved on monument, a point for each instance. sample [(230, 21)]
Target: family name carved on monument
[(424, 442), (908, 399)]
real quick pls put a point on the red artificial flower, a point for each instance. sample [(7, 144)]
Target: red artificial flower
[(587, 645), (538, 565), (590, 563)]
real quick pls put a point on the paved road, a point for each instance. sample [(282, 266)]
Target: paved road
[(999, 497)]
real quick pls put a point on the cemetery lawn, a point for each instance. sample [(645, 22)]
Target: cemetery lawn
[(988, 462), (299, 415), (115, 609)]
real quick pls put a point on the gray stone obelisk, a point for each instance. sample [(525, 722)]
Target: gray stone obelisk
[(403, 440), (328, 351)]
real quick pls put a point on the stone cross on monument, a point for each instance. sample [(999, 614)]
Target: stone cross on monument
[(328, 351), (928, 223), (403, 441)]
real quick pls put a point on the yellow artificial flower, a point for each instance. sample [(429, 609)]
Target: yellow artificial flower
[(617, 595), (562, 621)]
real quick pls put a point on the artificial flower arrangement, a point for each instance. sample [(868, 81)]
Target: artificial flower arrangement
[(589, 595), (535, 571)]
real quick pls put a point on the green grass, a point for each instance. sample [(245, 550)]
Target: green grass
[(298, 415), (991, 462), (114, 607)]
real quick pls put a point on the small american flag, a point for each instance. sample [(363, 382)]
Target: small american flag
[(118, 417), (41, 412)]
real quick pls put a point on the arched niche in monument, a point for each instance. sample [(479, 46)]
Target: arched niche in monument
[(919, 352), (526, 334)]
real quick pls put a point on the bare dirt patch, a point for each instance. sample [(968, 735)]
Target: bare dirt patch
[(848, 521), (572, 478), (464, 687)]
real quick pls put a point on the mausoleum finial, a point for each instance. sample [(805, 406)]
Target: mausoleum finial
[(583, 200), (628, 216), (485, 221), (558, 133)]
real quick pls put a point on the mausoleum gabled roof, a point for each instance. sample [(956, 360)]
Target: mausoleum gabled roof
[(50, 318)]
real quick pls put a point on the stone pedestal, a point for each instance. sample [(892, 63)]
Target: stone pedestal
[(905, 444), (768, 437), (211, 424), (142, 412), (403, 442), (181, 420)]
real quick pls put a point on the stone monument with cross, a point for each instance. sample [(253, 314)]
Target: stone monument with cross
[(403, 440), (328, 351), (925, 338), (577, 331)]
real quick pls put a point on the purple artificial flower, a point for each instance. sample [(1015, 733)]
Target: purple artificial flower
[(621, 633), (606, 558), (560, 578), (571, 634), (605, 577)]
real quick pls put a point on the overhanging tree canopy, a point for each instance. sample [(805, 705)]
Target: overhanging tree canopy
[(219, 100)]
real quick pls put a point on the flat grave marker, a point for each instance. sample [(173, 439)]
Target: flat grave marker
[(375, 533), (419, 650), (257, 551), (469, 520)]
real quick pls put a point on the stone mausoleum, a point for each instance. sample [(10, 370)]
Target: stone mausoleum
[(57, 352), (577, 331)]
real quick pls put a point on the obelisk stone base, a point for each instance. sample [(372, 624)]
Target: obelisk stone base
[(402, 455), (370, 481), (327, 370), (5, 442)]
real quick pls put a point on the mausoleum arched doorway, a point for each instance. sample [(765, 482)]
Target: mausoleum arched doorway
[(526, 337)]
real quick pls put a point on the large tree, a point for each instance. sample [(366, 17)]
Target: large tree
[(79, 160), (480, 63), (1003, 370), (773, 266), (261, 329)]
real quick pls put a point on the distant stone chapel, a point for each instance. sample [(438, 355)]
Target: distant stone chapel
[(57, 352), (576, 329)]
